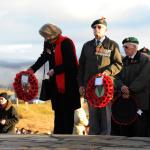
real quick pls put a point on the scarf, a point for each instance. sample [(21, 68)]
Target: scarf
[(60, 78)]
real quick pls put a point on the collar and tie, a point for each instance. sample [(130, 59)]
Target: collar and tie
[(98, 43)]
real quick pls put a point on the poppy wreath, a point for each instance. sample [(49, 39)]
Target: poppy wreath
[(33, 87), (124, 111), (94, 100)]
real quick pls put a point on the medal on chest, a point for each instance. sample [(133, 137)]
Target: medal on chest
[(102, 51)]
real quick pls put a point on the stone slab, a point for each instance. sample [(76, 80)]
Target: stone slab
[(72, 142)]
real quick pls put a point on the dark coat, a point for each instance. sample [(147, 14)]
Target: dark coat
[(90, 64), (71, 98), (135, 75), (10, 114)]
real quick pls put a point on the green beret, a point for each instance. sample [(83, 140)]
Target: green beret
[(130, 40), (145, 50), (99, 21)]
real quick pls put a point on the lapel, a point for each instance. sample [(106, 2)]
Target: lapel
[(105, 43)]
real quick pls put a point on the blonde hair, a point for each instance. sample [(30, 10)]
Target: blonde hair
[(50, 30)]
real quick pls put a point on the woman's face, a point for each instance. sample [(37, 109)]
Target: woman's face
[(51, 40), (47, 37)]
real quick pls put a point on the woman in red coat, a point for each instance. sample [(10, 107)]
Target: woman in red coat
[(59, 51)]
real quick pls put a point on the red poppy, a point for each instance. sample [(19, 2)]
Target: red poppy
[(94, 100), (33, 89)]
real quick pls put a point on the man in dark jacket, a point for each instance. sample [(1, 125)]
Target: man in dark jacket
[(100, 55), (8, 115), (59, 51), (133, 80)]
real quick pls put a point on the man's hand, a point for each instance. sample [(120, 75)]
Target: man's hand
[(125, 96), (105, 73), (82, 90), (125, 90)]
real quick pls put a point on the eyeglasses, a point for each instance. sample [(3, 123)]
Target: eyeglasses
[(129, 46), (126, 47), (99, 27)]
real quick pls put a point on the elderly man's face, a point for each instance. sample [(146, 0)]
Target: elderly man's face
[(99, 30), (130, 49)]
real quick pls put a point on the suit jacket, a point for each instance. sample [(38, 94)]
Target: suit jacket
[(109, 60)]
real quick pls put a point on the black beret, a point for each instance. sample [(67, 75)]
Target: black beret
[(4, 94), (130, 40), (99, 21)]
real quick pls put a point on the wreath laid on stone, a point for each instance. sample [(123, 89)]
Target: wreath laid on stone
[(102, 101), (32, 91)]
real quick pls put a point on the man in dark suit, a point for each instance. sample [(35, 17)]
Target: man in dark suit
[(99, 55)]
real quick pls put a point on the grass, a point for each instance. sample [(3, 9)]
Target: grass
[(36, 117)]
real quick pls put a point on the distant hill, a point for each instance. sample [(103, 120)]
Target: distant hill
[(9, 69), (14, 64)]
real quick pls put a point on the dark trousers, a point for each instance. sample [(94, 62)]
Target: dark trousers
[(138, 128), (100, 120), (147, 123), (64, 122)]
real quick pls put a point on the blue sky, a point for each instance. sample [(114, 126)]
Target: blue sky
[(20, 21)]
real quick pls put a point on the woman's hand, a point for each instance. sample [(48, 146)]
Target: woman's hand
[(30, 70), (50, 73)]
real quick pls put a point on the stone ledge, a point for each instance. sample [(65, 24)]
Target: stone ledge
[(72, 142)]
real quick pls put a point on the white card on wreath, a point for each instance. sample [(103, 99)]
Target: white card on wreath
[(98, 81), (24, 79)]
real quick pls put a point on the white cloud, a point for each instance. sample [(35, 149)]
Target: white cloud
[(3, 14), (21, 19), (20, 52), (14, 47)]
